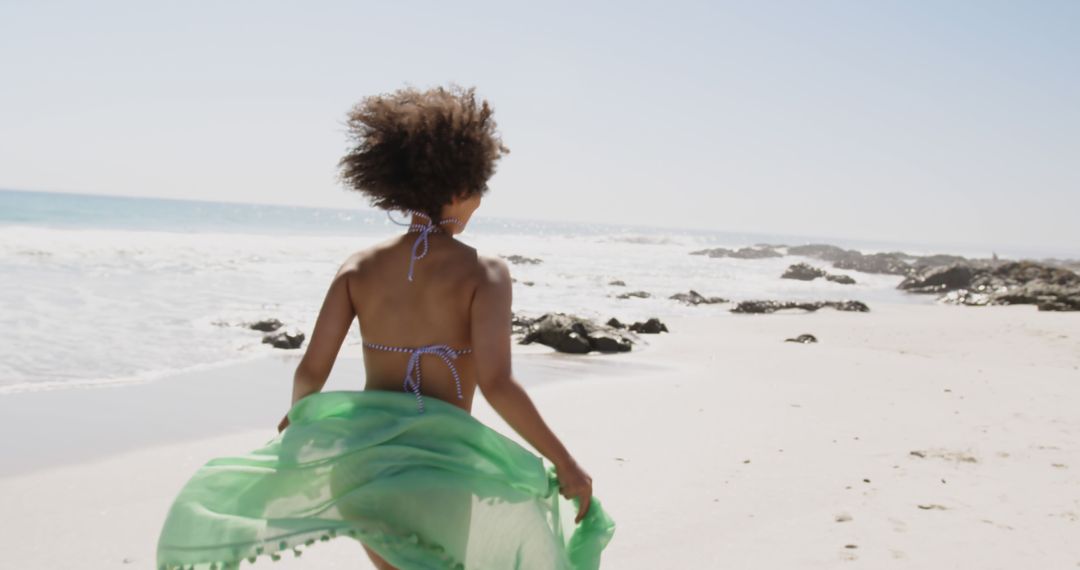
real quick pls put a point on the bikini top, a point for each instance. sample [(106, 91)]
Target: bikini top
[(444, 352)]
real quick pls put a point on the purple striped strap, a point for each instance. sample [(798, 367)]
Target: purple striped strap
[(424, 230)]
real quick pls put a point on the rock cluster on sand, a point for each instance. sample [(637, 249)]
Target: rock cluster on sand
[(1052, 285), (807, 272), (1009, 283), (758, 307), (577, 335)]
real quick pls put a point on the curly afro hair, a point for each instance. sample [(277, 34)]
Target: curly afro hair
[(416, 150)]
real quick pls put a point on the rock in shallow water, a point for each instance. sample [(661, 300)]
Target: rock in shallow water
[(695, 298), (758, 252), (521, 259), (760, 307), (840, 278), (265, 325), (807, 272), (803, 338), (288, 339), (803, 272)]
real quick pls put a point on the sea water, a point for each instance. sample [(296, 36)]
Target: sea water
[(101, 290)]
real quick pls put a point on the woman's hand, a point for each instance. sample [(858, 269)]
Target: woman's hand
[(284, 423), (575, 482)]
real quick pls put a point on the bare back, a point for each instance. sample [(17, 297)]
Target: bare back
[(434, 308)]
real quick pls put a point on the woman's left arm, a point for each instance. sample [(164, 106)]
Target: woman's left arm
[(331, 327)]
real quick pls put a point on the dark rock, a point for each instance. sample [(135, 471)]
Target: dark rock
[(695, 298), (617, 283), (803, 272), (651, 326), (525, 283), (807, 272), (755, 253), (605, 342), (893, 263), (922, 262), (521, 259), (577, 335), (1070, 264), (821, 251), (939, 279), (1050, 287), (886, 262), (1047, 296), (848, 305), (289, 338), (265, 325), (803, 338), (1071, 303), (638, 294), (572, 342), (759, 307), (613, 322), (741, 253), (520, 324)]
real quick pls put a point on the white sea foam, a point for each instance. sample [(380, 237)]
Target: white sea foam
[(89, 306)]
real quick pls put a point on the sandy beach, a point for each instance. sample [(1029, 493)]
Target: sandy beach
[(911, 436)]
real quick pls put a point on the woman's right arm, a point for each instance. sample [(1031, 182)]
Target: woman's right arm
[(491, 315)]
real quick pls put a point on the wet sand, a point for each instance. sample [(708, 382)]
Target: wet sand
[(910, 436)]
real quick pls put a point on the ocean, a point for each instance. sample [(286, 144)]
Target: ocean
[(101, 290)]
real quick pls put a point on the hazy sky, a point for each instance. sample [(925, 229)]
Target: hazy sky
[(943, 121)]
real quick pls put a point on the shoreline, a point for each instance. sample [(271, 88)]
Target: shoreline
[(209, 401), (916, 437)]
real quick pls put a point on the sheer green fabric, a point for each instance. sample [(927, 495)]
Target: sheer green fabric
[(433, 490)]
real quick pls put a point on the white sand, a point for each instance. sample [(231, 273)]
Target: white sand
[(717, 446)]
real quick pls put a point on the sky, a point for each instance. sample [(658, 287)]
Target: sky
[(937, 121)]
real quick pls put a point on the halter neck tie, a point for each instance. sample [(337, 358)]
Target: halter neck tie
[(425, 230)]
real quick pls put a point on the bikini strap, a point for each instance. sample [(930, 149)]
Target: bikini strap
[(412, 370), (424, 230)]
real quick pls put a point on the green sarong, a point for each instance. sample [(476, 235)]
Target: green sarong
[(437, 489)]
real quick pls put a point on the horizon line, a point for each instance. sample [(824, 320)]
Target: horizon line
[(823, 239)]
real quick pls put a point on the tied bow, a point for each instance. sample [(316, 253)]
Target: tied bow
[(412, 370)]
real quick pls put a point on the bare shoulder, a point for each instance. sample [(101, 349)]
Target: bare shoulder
[(355, 264), (493, 270)]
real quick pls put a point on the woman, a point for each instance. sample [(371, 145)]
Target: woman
[(402, 465)]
